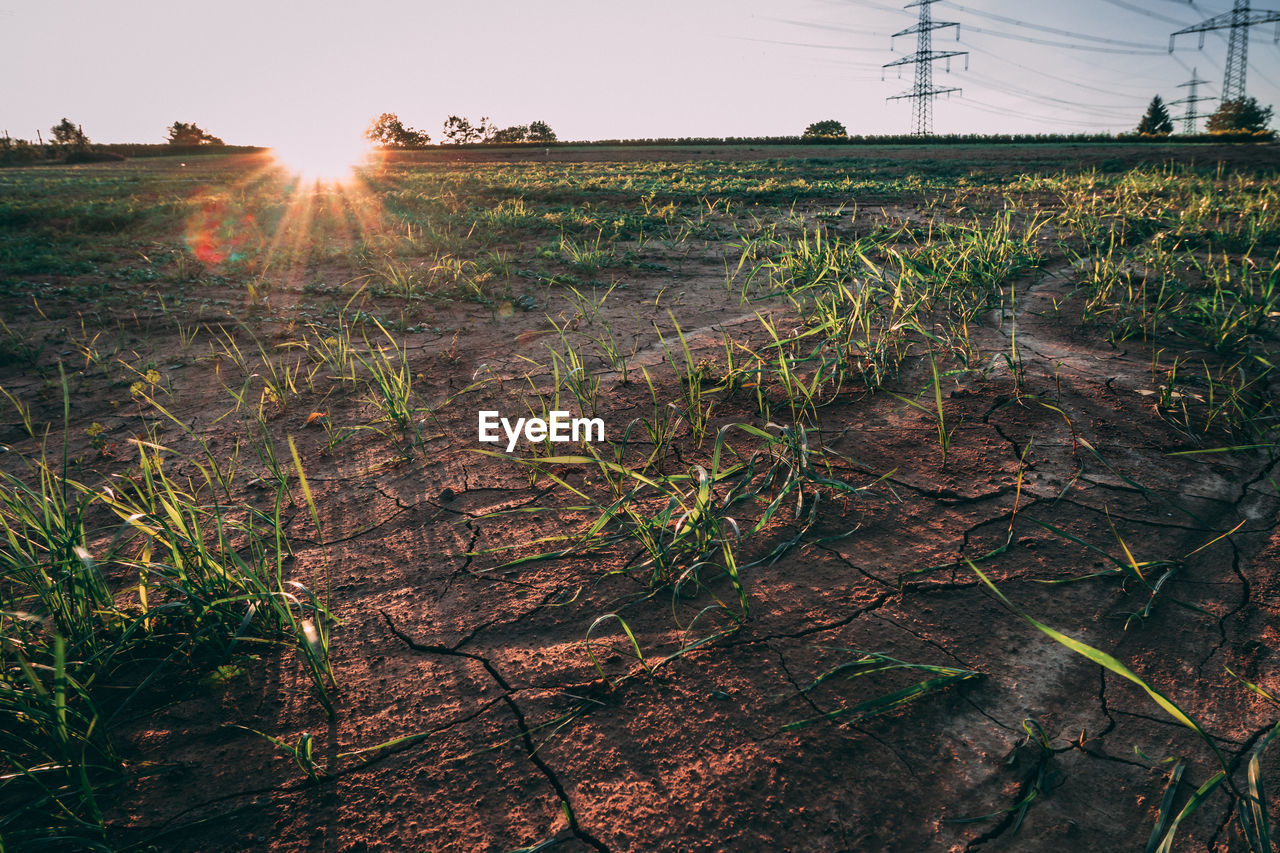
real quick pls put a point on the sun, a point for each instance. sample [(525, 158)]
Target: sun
[(322, 158)]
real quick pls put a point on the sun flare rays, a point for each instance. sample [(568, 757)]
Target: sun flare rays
[(282, 219)]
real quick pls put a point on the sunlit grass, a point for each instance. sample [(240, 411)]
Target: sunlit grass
[(340, 291)]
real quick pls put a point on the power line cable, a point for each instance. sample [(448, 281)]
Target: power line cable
[(843, 47), (1052, 30), (1063, 44), (1100, 110), (1153, 51), (1002, 58), (1155, 16), (1008, 113), (831, 28)]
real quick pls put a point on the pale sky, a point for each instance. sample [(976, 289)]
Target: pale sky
[(265, 72)]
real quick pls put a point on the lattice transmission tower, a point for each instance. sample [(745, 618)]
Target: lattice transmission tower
[(923, 92), (1238, 20), (1190, 118)]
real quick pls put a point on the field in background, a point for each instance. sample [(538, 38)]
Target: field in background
[(938, 507)]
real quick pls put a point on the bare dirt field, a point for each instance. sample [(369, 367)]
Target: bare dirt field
[(937, 507)]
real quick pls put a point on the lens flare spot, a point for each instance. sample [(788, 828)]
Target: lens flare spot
[(220, 232)]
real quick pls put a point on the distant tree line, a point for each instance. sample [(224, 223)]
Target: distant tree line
[(68, 143), (936, 139), (1235, 120), (388, 131)]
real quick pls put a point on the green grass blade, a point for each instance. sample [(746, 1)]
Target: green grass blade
[(1166, 846), (1166, 808), (1107, 662)]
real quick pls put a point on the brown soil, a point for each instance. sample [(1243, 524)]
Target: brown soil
[(488, 664)]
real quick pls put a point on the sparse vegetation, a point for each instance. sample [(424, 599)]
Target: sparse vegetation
[(971, 455)]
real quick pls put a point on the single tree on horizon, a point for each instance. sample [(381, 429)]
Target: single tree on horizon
[(1157, 121), (829, 129), (1240, 115), (68, 135), (183, 133), (389, 132), (459, 130), (540, 131)]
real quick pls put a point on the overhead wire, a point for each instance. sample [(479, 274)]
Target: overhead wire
[(1065, 45), (1053, 30), (842, 47), (1039, 98), (1041, 72), (1155, 16), (983, 106)]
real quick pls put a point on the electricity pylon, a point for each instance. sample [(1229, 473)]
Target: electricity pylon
[(1238, 20), (1191, 116), (923, 92)]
